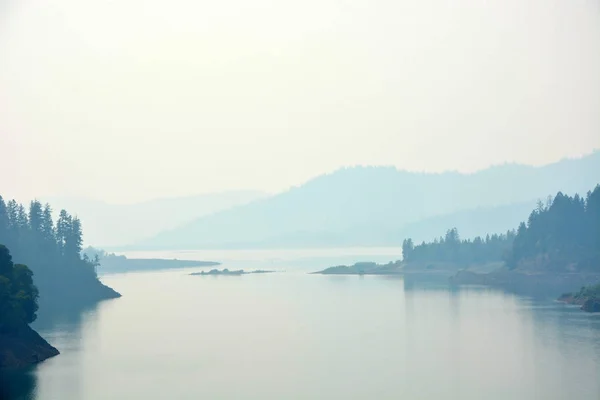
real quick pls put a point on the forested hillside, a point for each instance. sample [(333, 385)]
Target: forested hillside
[(451, 249), (52, 251), (560, 235)]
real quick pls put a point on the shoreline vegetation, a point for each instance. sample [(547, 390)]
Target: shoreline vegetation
[(112, 263), (42, 270), (19, 344), (399, 268), (227, 272), (587, 297), (556, 250)]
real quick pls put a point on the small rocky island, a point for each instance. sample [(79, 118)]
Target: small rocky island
[(588, 298), (216, 272)]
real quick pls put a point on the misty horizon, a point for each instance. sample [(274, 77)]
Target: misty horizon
[(259, 193), (135, 100), (325, 199)]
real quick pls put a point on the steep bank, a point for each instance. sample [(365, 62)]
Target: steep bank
[(23, 347), (19, 344)]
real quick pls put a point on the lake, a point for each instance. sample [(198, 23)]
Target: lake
[(291, 335)]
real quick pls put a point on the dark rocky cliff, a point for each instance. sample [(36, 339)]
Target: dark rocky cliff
[(23, 347)]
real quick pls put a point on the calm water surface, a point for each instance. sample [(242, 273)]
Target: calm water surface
[(291, 335)]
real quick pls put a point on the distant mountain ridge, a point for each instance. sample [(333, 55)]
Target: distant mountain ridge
[(120, 224), (376, 205)]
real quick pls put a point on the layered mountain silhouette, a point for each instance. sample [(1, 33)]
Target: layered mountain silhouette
[(381, 205), (121, 224)]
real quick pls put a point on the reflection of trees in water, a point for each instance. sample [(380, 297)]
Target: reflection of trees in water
[(568, 329), (566, 338), (544, 288), (556, 348), (428, 282), (55, 323), (69, 315), (18, 385), (569, 340)]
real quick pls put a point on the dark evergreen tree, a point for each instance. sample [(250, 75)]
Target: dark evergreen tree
[(48, 226), (73, 239), (407, 249), (4, 222), (18, 295), (22, 222), (63, 227), (13, 228), (36, 217), (592, 211)]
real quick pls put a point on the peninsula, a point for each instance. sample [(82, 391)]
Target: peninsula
[(556, 250), (110, 263), (364, 268)]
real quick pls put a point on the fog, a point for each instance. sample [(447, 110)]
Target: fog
[(300, 199), (131, 100)]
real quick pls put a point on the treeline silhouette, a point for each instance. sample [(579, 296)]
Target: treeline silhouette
[(451, 249), (562, 234), (18, 294), (52, 251)]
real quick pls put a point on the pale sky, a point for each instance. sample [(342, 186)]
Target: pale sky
[(136, 99)]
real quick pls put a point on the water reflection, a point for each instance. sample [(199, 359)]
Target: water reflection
[(18, 385), (390, 336), (64, 327), (67, 316), (478, 342), (68, 328), (554, 349)]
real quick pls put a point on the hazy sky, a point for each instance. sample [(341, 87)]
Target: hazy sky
[(134, 99)]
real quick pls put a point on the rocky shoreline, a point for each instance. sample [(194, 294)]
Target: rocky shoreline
[(587, 297), (23, 347)]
